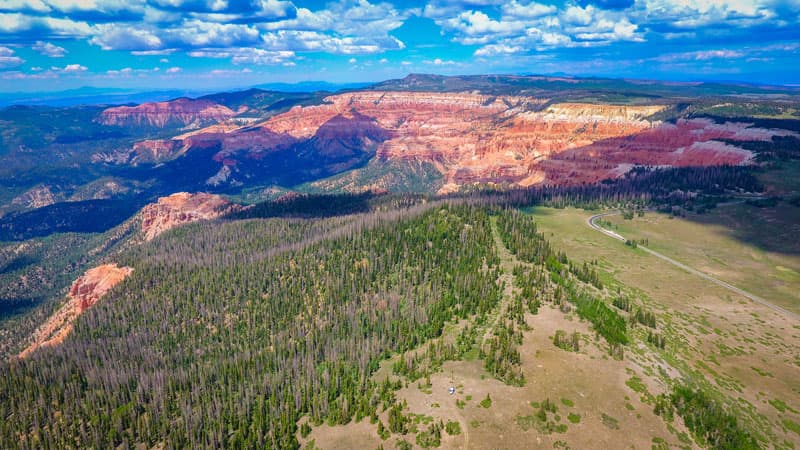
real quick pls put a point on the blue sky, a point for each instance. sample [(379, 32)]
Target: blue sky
[(48, 45)]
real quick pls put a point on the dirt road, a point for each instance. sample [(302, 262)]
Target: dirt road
[(755, 298)]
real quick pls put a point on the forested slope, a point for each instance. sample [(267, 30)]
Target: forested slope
[(211, 347)]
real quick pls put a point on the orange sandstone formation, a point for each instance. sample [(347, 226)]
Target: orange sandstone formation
[(85, 292), (474, 138), (180, 208)]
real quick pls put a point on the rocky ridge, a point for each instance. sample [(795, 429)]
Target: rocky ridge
[(36, 197), (155, 218), (181, 208), (85, 292), (182, 112)]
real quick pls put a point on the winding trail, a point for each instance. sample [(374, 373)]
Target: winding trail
[(507, 262), (730, 287)]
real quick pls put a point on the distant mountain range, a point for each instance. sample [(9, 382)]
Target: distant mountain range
[(87, 96), (115, 96)]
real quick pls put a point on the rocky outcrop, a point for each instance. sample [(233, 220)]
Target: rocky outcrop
[(84, 293), (590, 112), (36, 197), (102, 189), (88, 289), (179, 112), (154, 151), (181, 208)]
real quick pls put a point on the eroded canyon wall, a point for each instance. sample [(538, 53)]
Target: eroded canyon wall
[(474, 138)]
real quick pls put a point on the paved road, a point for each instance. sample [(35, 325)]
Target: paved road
[(728, 286)]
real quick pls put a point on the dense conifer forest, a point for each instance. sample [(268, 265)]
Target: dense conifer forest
[(220, 343)]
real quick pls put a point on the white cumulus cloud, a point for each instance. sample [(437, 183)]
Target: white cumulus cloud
[(8, 59), (70, 68), (48, 49)]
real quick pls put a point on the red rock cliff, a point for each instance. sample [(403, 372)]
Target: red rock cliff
[(85, 292), (180, 208), (182, 111), (473, 138)]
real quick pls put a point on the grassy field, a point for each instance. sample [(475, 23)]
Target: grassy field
[(702, 242), (740, 350)]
